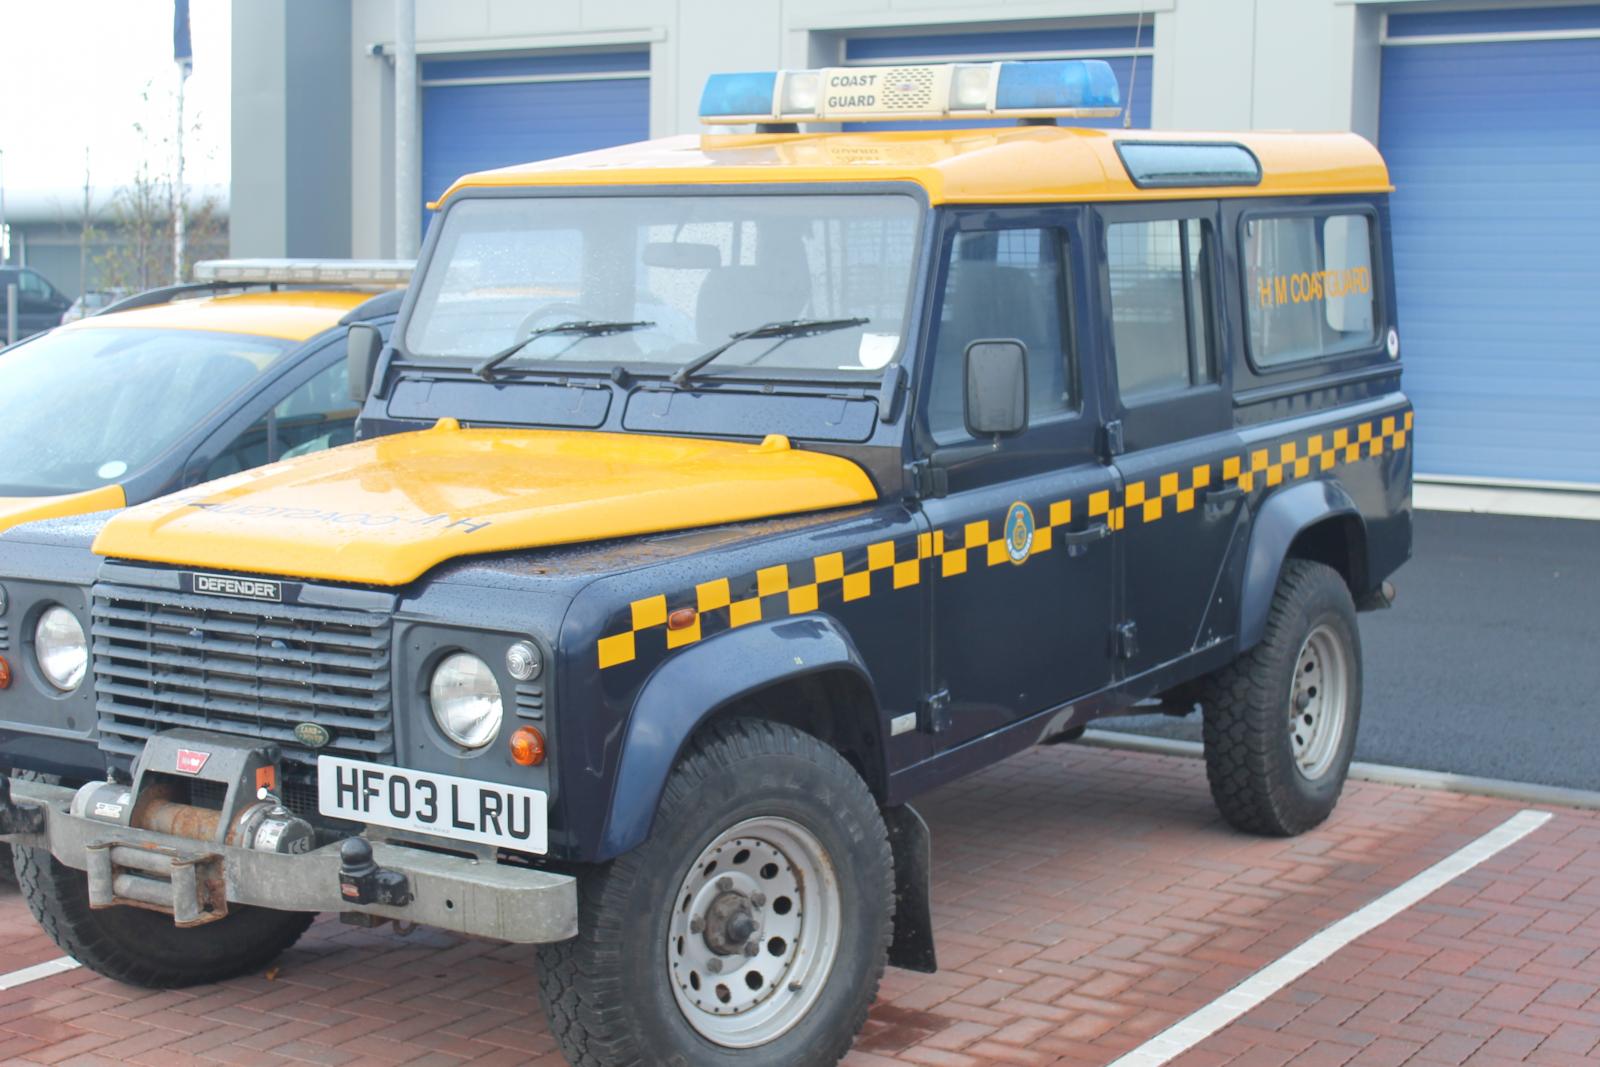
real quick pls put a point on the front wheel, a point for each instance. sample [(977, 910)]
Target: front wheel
[(144, 948), (1280, 721), (752, 926)]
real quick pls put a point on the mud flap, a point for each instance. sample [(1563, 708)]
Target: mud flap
[(912, 948)]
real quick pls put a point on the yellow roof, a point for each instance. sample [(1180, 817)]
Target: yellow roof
[(1013, 164), (289, 314)]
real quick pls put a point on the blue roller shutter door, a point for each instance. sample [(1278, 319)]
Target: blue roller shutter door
[(1114, 44), (485, 113), (1494, 149)]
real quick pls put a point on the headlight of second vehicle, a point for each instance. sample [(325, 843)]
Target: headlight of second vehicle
[(61, 648), (465, 697)]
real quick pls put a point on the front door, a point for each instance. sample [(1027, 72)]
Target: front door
[(1178, 512), (1023, 578)]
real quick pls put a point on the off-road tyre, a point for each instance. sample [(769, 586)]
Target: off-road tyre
[(1250, 762), (607, 992), (144, 948)]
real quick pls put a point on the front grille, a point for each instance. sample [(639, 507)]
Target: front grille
[(165, 659)]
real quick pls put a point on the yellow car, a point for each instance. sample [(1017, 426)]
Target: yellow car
[(181, 385)]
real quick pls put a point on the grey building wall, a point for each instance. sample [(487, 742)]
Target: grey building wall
[(1218, 64), (291, 158)]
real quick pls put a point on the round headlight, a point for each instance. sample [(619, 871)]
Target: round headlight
[(466, 700), (61, 649), (523, 661)]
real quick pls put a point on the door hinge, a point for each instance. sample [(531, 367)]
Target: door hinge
[(933, 714), (1113, 438), (1126, 639), (926, 481)]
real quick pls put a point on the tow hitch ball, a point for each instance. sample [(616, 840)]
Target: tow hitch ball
[(362, 881)]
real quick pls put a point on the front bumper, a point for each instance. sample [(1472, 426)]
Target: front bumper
[(451, 892)]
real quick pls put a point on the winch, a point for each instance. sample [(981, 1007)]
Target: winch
[(187, 882), (266, 825)]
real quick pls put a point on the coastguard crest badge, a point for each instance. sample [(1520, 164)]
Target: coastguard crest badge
[(1019, 532)]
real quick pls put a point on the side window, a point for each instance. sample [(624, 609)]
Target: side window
[(1308, 284), (247, 450), (1160, 305), (1002, 284), (316, 416)]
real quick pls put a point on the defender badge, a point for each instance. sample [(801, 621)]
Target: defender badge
[(311, 734), (191, 762), (1019, 532), (228, 585)]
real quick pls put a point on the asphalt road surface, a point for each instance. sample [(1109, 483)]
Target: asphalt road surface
[(1489, 662)]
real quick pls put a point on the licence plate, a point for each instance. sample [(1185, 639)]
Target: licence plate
[(441, 804)]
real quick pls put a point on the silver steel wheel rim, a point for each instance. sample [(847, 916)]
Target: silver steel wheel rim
[(769, 875), (1318, 701)]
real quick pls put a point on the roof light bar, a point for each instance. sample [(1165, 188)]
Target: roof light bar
[(302, 271), (1054, 88)]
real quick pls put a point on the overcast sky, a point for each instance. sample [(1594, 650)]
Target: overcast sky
[(75, 75)]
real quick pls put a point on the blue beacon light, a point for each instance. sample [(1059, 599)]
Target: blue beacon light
[(1060, 88)]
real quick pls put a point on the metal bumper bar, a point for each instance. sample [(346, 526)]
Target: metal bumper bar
[(135, 866)]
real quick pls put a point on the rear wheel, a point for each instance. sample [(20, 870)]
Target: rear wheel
[(144, 948), (1280, 721), (751, 928)]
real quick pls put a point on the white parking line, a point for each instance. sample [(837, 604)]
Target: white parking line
[(1189, 1031), (12, 979), (1409, 777)]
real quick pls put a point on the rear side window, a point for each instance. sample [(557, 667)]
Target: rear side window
[(1308, 286), (1160, 305)]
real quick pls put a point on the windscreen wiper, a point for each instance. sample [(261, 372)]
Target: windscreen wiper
[(585, 328), (786, 330)]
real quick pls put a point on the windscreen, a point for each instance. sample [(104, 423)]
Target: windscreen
[(695, 270), (87, 408)]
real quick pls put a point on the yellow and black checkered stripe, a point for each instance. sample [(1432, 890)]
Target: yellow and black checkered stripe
[(789, 589)]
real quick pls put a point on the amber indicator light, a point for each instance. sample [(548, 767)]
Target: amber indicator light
[(527, 747), (681, 619), (5, 674)]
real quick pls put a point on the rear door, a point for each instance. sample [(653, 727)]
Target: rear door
[(1160, 281), (1022, 580)]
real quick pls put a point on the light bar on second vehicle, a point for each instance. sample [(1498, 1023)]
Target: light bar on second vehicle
[(307, 271), (1054, 88)]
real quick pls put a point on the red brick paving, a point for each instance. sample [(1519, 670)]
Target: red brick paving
[(1084, 899)]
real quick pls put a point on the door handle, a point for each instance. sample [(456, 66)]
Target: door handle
[(1224, 494), (1086, 536)]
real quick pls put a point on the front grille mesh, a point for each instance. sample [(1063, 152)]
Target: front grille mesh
[(165, 659)]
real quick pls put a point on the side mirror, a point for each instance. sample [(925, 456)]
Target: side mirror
[(362, 345), (997, 388)]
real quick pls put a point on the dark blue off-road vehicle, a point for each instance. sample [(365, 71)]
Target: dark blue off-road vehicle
[(716, 497)]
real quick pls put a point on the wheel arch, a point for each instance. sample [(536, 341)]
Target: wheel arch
[(1316, 521), (804, 672)]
